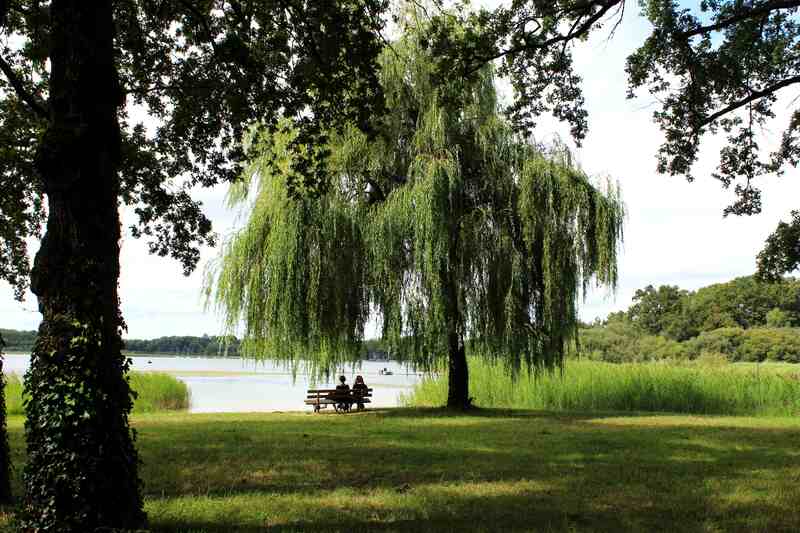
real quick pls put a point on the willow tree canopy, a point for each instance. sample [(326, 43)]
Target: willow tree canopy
[(448, 226)]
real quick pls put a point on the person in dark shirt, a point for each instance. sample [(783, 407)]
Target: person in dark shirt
[(360, 390), (343, 389)]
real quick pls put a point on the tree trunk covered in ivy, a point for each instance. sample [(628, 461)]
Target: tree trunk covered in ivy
[(5, 453), (82, 465)]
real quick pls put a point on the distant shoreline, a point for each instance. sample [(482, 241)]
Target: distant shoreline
[(190, 356)]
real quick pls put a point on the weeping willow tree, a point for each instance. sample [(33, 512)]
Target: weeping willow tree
[(447, 226)]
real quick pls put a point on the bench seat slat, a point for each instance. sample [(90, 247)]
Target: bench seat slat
[(328, 391)]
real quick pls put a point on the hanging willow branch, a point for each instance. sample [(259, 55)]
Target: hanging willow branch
[(474, 232)]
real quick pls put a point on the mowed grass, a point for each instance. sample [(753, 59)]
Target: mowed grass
[(156, 392), (490, 470), (722, 389)]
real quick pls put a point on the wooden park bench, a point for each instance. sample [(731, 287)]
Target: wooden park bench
[(341, 401)]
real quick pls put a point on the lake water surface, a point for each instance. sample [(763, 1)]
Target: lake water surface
[(220, 385)]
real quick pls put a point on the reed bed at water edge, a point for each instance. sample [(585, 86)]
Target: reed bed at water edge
[(596, 386), (156, 392)]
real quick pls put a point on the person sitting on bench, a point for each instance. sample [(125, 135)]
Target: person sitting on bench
[(343, 389), (359, 391)]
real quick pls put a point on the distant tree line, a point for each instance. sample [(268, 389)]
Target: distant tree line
[(186, 345), (741, 320), (22, 341), (18, 341)]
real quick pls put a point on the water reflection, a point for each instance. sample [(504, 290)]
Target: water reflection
[(235, 385)]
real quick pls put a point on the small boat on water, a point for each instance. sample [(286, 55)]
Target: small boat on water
[(385, 372)]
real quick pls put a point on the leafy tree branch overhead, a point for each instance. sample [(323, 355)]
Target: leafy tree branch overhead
[(717, 67)]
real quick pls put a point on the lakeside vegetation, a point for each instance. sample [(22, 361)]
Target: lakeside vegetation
[(720, 389), (156, 392), (492, 470)]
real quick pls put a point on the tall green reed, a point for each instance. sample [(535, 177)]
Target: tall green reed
[(596, 386), (156, 392)]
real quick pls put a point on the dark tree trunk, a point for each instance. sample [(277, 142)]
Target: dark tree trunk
[(458, 374), (82, 471), (5, 455)]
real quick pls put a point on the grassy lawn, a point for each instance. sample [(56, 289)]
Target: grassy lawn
[(413, 470)]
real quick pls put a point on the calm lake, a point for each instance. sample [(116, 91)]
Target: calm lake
[(220, 385)]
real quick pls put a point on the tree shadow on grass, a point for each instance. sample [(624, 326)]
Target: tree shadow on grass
[(590, 475), (486, 470)]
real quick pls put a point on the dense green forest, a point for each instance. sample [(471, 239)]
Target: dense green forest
[(741, 320)]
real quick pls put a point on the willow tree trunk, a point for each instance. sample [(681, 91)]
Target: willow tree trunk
[(458, 374), (5, 455), (457, 371), (82, 471)]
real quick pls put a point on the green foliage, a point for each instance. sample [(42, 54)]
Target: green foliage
[(714, 67), (741, 320), (743, 302), (662, 311), (14, 395), (622, 341), (21, 341), (205, 75), (720, 67), (778, 318), (186, 345), (781, 252), (592, 386), (535, 41), (757, 344), (154, 392), (444, 222), (158, 392)]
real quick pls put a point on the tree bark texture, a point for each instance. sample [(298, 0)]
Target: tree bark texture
[(458, 375), (82, 471)]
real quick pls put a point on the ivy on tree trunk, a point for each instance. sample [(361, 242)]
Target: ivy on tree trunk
[(82, 465)]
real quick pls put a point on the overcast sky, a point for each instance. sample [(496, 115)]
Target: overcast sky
[(674, 234)]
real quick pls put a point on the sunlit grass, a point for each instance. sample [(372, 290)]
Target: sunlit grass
[(491, 470), (594, 386), (156, 392)]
